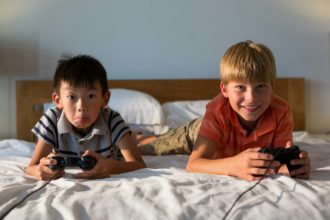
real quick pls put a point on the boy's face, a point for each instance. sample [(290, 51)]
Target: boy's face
[(249, 100), (81, 105)]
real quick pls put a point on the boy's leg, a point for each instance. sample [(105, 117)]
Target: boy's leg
[(176, 141)]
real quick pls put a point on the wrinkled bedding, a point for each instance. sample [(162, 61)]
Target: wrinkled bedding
[(165, 190)]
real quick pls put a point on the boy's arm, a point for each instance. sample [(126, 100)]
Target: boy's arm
[(249, 164), (106, 166), (38, 166), (129, 150)]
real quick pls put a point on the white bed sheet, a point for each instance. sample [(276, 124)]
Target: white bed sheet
[(165, 190)]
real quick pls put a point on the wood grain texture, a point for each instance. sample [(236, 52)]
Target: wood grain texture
[(31, 94)]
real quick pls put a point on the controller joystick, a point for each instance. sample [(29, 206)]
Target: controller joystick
[(84, 163)]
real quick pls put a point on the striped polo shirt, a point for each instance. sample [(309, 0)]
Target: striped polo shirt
[(54, 129)]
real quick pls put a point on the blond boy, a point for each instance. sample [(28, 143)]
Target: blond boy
[(244, 117)]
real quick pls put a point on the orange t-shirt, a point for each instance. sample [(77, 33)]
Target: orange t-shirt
[(221, 125)]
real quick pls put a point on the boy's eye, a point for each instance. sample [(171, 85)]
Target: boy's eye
[(240, 87), (262, 86), (91, 96), (71, 97)]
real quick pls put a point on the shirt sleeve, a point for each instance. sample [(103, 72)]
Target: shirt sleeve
[(46, 128), (211, 127), (118, 127)]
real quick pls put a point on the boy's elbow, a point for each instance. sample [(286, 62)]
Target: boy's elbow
[(189, 166), (143, 165), (140, 164)]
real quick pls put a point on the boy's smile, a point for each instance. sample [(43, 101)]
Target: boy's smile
[(248, 100), (81, 106)]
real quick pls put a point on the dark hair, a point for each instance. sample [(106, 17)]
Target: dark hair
[(80, 71)]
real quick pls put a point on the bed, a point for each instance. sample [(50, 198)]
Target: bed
[(164, 190)]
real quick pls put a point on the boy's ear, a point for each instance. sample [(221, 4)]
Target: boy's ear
[(106, 98), (223, 89), (56, 100)]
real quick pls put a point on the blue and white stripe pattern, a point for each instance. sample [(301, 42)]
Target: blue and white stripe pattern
[(54, 129)]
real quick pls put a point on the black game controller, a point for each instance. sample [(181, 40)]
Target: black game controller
[(84, 163), (284, 155)]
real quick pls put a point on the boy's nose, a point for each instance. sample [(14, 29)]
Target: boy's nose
[(250, 95), (81, 106)]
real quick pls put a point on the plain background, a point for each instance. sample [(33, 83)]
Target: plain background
[(159, 39)]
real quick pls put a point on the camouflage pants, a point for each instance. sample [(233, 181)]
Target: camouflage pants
[(179, 140)]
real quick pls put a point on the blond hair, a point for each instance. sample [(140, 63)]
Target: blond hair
[(248, 61)]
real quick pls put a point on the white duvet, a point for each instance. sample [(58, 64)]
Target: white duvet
[(165, 190)]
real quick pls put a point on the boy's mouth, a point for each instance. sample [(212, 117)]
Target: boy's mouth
[(81, 120), (251, 108)]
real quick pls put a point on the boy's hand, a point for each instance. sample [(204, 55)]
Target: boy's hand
[(102, 168), (304, 160), (42, 170), (251, 165)]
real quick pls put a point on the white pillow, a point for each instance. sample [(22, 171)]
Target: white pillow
[(136, 107), (181, 112)]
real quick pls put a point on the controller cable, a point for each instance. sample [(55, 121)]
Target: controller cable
[(28, 195), (249, 189)]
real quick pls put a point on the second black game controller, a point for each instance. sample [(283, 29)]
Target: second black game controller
[(84, 163), (284, 155)]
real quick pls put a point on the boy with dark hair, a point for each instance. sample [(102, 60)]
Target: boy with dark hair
[(82, 124)]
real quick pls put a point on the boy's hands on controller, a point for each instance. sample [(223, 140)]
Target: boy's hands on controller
[(102, 168), (251, 165), (305, 162), (43, 170)]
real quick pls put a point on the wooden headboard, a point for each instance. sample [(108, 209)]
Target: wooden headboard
[(31, 94)]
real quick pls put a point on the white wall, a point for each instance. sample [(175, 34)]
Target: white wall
[(163, 39)]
